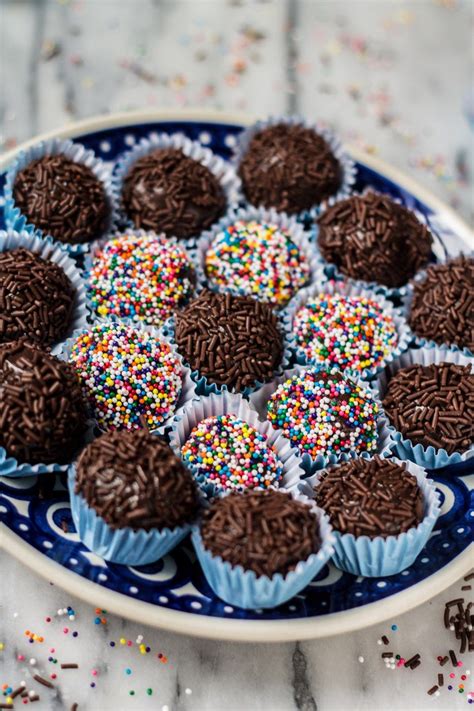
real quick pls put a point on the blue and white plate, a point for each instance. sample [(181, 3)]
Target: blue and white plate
[(172, 593)]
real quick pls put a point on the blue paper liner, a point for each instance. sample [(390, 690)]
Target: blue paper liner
[(428, 457), (96, 246), (15, 219), (243, 588), (53, 252), (223, 171), (379, 557), (226, 403), (125, 546), (349, 288), (347, 164), (297, 232)]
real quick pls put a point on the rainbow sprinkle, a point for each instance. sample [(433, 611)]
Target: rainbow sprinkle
[(230, 454), (322, 412), (140, 276), (127, 375), (351, 332), (257, 259)]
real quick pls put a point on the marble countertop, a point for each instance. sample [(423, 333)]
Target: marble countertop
[(393, 78)]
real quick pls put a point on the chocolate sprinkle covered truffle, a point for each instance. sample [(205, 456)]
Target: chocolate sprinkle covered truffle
[(268, 531), (166, 191), (433, 405), (372, 238), (230, 340), (442, 309), (134, 479), (370, 497), (63, 198), (36, 298), (42, 412), (289, 167)]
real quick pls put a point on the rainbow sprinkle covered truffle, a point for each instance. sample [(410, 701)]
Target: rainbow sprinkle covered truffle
[(257, 259), (230, 454), (323, 412), (128, 376), (140, 276), (351, 332)]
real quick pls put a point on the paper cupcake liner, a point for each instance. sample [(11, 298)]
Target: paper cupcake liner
[(124, 546), (96, 246), (379, 557), (296, 230), (52, 252), (188, 388), (231, 404), (347, 164), (223, 171), (386, 434), (428, 457), (243, 588), (398, 293), (76, 152)]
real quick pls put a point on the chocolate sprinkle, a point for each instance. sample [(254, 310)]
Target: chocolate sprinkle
[(42, 413), (133, 479), (370, 497), (166, 191), (231, 340), (62, 198), (372, 238), (44, 682), (432, 691), (36, 298), (264, 531), (290, 168), (433, 405), (442, 309)]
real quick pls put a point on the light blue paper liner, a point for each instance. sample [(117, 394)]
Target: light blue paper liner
[(300, 237), (379, 557), (243, 588), (96, 246), (14, 218), (188, 388), (428, 457), (221, 169), (349, 288), (53, 252), (226, 403), (387, 435), (347, 164), (125, 546)]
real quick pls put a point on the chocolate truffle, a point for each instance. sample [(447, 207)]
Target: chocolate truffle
[(265, 531), (289, 167), (433, 405), (133, 479), (42, 412), (372, 238), (442, 309), (63, 198), (36, 298), (230, 340), (370, 497), (166, 191)]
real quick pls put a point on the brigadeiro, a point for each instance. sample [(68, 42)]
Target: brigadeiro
[(132, 498), (372, 238), (229, 340), (62, 198), (442, 306), (289, 167), (36, 298), (42, 412), (167, 191), (433, 405)]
